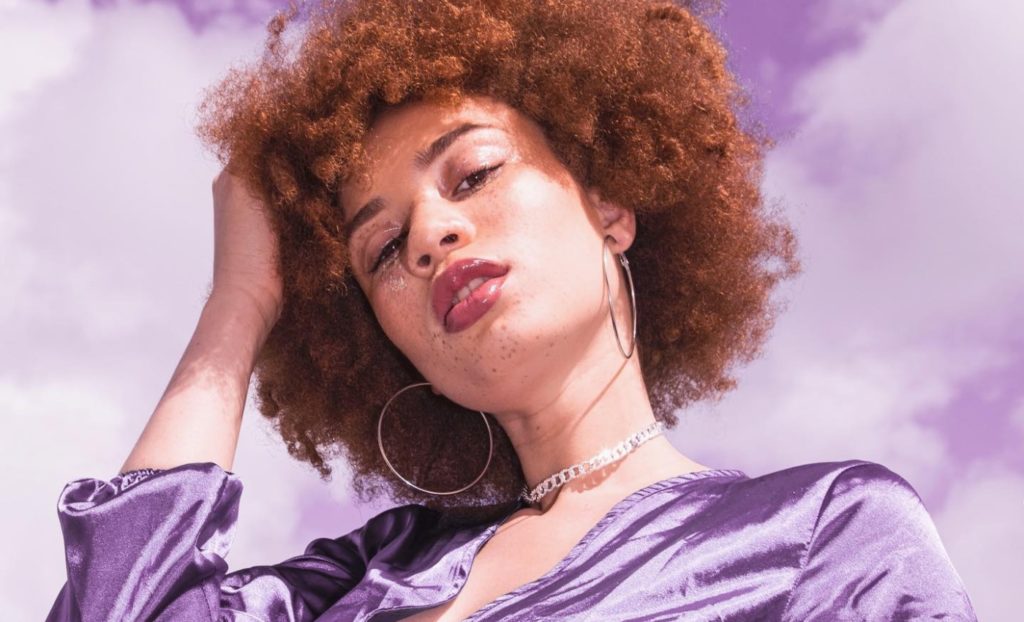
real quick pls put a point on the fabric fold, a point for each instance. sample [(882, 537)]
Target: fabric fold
[(844, 540), (138, 542), (875, 554)]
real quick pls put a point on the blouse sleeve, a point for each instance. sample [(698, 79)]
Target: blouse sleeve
[(150, 545), (875, 554)]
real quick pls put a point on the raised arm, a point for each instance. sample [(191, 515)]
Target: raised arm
[(200, 413), (150, 543)]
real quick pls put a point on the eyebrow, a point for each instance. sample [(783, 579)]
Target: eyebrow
[(423, 159)]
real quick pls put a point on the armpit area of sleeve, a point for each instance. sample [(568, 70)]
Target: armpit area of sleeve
[(133, 548), (875, 554)]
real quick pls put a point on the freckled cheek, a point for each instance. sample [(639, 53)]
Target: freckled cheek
[(395, 282), (404, 322)]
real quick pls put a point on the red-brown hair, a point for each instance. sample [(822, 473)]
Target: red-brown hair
[(636, 100)]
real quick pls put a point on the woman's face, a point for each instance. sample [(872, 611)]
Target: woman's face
[(479, 253)]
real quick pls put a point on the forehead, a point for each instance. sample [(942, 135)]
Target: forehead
[(399, 133), (414, 125)]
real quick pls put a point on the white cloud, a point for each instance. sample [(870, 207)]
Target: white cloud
[(982, 526), (902, 183), (842, 19), (106, 235), (43, 41), (797, 406), (907, 234), (912, 219), (44, 45), (900, 179), (55, 430)]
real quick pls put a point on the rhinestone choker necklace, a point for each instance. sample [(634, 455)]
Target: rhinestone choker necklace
[(603, 458)]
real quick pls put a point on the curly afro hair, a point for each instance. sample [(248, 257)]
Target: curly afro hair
[(636, 100)]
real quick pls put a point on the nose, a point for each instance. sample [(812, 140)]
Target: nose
[(438, 227)]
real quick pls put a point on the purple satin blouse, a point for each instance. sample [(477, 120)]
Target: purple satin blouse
[(828, 541)]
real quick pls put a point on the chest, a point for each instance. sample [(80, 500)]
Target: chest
[(522, 551)]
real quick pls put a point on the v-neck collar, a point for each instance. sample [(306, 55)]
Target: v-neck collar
[(472, 546)]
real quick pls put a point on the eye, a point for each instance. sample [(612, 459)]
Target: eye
[(476, 179), (469, 183), (389, 251)]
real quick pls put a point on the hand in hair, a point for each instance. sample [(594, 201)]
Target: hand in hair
[(245, 247), (200, 413)]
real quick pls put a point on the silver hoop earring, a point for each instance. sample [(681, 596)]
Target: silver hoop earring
[(380, 445), (611, 307)]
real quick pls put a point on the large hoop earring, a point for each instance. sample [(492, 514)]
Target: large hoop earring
[(380, 445), (611, 307)]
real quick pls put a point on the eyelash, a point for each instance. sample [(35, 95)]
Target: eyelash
[(392, 246)]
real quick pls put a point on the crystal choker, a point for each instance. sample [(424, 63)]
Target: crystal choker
[(603, 458)]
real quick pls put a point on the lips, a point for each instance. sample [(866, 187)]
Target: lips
[(465, 291)]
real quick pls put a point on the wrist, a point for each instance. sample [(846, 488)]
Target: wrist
[(239, 306)]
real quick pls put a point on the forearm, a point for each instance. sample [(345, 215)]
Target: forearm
[(200, 413)]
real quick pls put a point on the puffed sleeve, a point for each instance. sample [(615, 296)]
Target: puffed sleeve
[(875, 554), (150, 545)]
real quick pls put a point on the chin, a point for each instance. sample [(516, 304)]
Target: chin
[(495, 363)]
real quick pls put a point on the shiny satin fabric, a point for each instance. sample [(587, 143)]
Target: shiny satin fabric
[(827, 541)]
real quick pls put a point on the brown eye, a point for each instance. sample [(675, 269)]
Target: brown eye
[(476, 179), (390, 249)]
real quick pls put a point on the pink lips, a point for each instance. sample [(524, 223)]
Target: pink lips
[(460, 316)]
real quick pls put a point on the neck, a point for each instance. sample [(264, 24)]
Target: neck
[(598, 407)]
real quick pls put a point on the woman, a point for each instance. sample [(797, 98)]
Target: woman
[(432, 203)]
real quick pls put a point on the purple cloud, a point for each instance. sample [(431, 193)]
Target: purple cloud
[(902, 342)]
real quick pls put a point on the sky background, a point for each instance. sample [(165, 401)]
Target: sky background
[(898, 161)]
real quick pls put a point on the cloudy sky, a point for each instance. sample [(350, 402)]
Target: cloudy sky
[(902, 343)]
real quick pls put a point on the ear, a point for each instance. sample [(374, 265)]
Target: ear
[(616, 221)]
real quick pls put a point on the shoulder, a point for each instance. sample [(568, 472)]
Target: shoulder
[(795, 497), (866, 502), (821, 486), (825, 478), (869, 544), (818, 485), (852, 490), (849, 495), (800, 502), (825, 512)]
